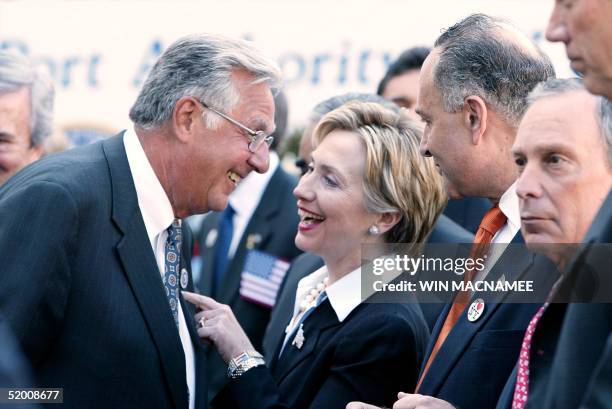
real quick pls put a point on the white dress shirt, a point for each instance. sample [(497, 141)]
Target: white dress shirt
[(344, 295), (157, 214)]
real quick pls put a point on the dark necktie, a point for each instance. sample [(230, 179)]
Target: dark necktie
[(226, 231), (172, 261)]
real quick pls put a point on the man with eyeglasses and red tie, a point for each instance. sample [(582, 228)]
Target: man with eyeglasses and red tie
[(94, 254)]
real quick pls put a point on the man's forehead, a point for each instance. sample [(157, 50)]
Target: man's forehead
[(558, 119)]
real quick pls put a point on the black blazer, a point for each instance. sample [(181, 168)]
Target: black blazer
[(283, 310), (467, 212), (570, 340), (444, 231), (370, 356), (474, 363), (599, 391), (81, 288), (275, 222)]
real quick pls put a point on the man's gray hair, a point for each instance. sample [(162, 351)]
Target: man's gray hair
[(477, 57), (18, 71), (554, 87), (322, 108), (199, 66)]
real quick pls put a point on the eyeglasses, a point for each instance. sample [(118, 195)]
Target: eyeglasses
[(257, 138)]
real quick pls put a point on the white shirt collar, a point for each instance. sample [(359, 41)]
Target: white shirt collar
[(344, 295), (509, 204), (245, 198), (154, 204)]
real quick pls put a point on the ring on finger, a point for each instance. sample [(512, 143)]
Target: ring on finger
[(202, 321)]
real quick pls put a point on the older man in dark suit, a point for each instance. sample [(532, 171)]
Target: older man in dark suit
[(96, 304), (566, 174)]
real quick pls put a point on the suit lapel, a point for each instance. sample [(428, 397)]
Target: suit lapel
[(256, 235), (139, 264), (210, 232), (514, 263), (322, 319)]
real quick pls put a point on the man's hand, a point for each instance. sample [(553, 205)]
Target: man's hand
[(415, 401)]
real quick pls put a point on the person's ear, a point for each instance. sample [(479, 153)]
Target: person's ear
[(475, 117), (184, 116), (36, 152), (386, 221)]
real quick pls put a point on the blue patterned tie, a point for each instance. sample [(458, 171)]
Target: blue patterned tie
[(226, 232), (172, 262)]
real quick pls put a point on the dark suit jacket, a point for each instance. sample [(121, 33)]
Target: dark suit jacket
[(599, 391), (444, 231), (467, 212), (474, 363), (14, 370), (370, 356), (275, 220), (571, 339), (81, 288)]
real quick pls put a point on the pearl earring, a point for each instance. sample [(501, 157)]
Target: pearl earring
[(373, 230)]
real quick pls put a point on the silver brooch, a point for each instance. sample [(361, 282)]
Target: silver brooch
[(299, 339)]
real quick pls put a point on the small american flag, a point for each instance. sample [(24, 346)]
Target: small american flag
[(261, 278)]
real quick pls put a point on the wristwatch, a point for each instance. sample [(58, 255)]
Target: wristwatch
[(244, 362)]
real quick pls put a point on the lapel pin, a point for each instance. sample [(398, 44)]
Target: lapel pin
[(299, 339), (253, 240), (211, 238), (184, 278), (476, 309)]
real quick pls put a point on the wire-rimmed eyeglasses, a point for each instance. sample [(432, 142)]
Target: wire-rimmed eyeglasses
[(257, 138)]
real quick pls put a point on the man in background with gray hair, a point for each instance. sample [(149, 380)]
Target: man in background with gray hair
[(26, 112), (94, 255), (566, 174), (584, 27)]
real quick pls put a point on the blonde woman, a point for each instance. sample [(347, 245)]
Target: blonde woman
[(367, 183)]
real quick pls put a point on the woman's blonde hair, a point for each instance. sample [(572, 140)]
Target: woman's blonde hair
[(397, 177)]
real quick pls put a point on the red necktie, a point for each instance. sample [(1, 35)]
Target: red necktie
[(492, 221), (521, 388)]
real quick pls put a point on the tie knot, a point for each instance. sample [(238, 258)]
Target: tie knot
[(493, 220), (228, 211), (175, 232)]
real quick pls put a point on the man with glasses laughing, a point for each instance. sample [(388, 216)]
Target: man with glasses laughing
[(245, 250), (94, 255)]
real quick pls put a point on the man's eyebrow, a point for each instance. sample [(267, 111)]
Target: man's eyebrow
[(259, 124)]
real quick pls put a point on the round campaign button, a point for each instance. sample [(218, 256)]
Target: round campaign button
[(476, 309), (211, 238), (184, 278)]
